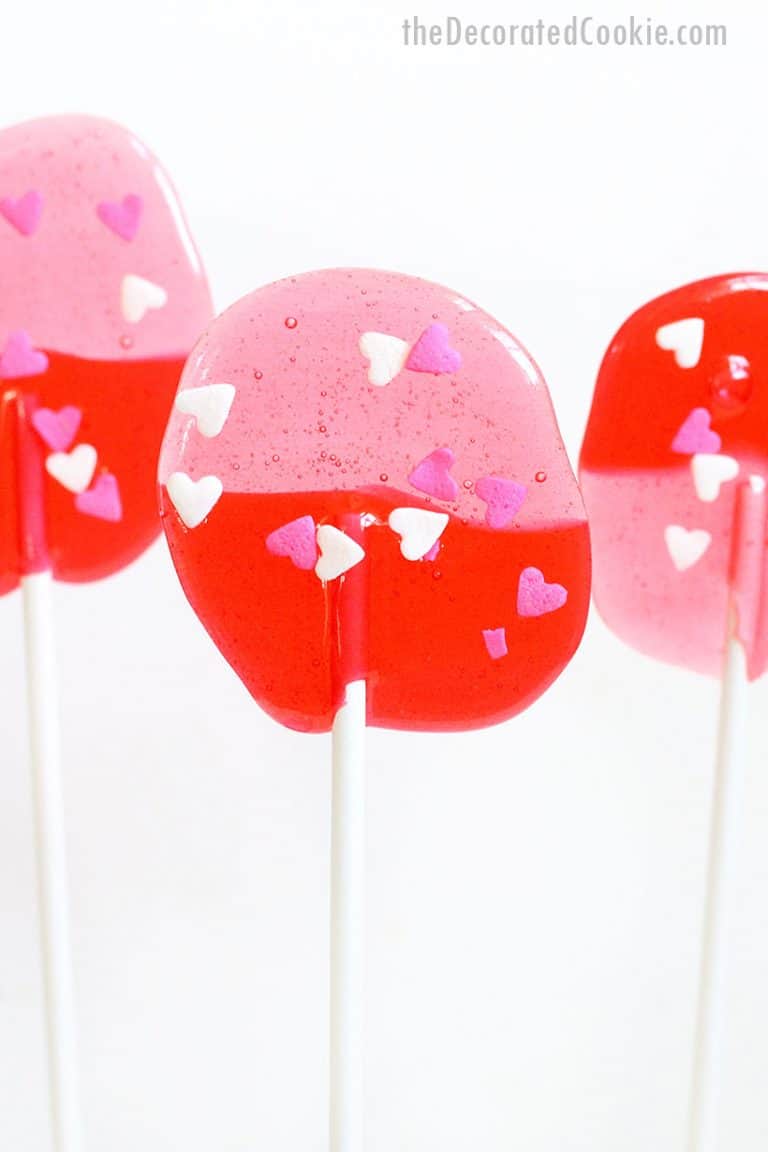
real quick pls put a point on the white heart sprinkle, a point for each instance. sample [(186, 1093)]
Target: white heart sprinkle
[(757, 484), (74, 470), (338, 553), (386, 354), (686, 548), (419, 530), (684, 338), (138, 296), (209, 405), (709, 472), (193, 499)]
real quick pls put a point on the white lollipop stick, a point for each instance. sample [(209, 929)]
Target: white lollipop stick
[(708, 1065), (348, 922), (45, 764), (724, 835), (348, 854), (53, 896)]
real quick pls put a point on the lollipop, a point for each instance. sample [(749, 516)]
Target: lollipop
[(677, 439), (369, 507), (101, 297), (673, 472), (365, 452)]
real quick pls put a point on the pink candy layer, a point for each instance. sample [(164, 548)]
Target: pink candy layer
[(675, 616), (61, 274), (306, 418)]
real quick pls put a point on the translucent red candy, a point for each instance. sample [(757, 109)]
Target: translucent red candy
[(673, 472), (363, 478), (101, 298)]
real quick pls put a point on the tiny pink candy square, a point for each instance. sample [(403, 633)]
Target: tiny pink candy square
[(495, 642)]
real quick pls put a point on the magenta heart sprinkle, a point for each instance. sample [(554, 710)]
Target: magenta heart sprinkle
[(57, 429), (432, 475), (432, 352), (695, 434), (102, 500), (23, 214), (535, 597), (20, 358), (122, 217), (503, 497), (297, 540)]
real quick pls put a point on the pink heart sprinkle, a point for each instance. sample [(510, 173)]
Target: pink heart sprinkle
[(432, 352), (495, 642), (57, 429), (695, 434), (102, 500), (535, 597), (433, 476), (24, 213), (503, 497), (19, 358), (297, 540), (122, 217)]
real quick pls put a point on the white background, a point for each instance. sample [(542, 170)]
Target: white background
[(535, 890)]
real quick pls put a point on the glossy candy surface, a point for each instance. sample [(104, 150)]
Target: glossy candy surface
[(363, 478), (673, 471), (102, 295)]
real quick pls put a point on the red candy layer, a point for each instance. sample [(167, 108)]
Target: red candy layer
[(124, 407), (422, 652), (643, 396)]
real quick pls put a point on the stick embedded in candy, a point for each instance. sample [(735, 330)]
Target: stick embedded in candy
[(673, 472), (370, 509), (101, 298)]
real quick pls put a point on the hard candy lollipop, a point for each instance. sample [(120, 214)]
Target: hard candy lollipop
[(363, 479), (677, 431), (365, 495), (673, 471), (101, 298)]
